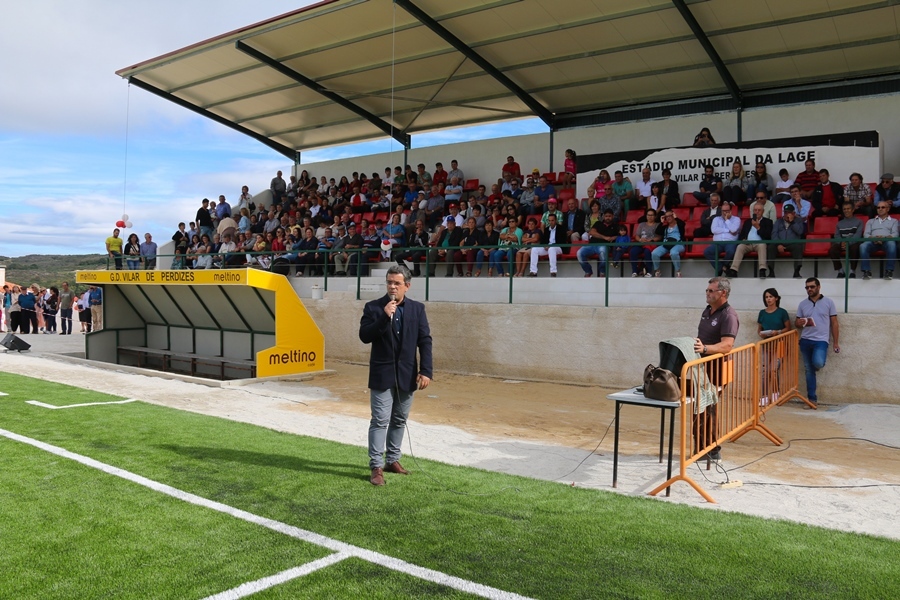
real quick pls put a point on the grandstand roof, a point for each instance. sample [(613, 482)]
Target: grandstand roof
[(344, 71)]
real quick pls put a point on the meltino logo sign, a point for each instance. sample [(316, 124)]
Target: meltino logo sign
[(293, 356)]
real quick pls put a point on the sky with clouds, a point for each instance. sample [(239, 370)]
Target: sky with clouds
[(79, 147)]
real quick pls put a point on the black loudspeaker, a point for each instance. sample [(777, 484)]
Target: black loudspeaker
[(13, 342), (282, 266)]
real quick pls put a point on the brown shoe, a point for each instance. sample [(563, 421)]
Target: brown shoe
[(395, 467), (377, 476)]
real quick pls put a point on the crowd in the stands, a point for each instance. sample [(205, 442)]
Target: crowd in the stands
[(505, 227)]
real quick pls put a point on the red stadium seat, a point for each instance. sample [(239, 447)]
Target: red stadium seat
[(697, 247), (471, 185), (633, 215), (689, 200), (825, 225), (683, 213), (689, 228), (564, 196), (817, 245), (551, 177)]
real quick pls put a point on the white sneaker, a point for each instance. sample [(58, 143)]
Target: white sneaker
[(634, 274)]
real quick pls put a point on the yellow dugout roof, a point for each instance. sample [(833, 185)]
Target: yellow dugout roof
[(344, 71)]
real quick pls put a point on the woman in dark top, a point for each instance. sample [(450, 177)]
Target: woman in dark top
[(668, 191), (704, 139), (133, 252), (469, 244), (51, 304)]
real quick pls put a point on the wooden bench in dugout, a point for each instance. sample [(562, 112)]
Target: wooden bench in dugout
[(168, 357)]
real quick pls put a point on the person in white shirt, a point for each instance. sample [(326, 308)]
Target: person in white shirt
[(724, 229), (644, 189), (783, 186), (550, 238)]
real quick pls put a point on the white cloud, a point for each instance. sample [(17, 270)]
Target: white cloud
[(59, 58)]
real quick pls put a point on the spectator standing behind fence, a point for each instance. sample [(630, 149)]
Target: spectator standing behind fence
[(772, 320), (133, 252), (148, 252), (278, 186), (816, 319), (719, 325), (114, 248)]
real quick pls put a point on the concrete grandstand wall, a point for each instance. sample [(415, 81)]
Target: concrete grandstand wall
[(608, 347), (483, 159)]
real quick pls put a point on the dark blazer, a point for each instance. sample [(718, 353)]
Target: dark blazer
[(388, 354), (765, 229), (578, 225), (561, 237)]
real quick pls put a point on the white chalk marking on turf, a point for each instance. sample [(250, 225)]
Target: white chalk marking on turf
[(3, 394), (377, 558), (251, 587), (43, 405)]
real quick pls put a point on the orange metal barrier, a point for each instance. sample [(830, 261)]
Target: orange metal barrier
[(779, 379), (724, 396)]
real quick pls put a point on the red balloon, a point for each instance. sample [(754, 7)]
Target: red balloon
[(120, 223)]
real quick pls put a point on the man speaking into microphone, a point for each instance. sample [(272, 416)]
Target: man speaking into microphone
[(396, 326)]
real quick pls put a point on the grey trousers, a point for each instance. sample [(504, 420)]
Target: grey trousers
[(388, 423)]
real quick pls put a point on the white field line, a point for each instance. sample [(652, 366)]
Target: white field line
[(311, 537), (50, 406), (3, 394), (251, 587)]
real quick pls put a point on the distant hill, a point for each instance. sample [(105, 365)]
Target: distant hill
[(51, 269)]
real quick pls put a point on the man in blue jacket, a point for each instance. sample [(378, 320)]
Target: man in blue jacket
[(396, 326)]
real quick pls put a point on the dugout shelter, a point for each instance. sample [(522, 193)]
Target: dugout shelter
[(221, 324)]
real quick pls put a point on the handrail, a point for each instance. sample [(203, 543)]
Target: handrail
[(566, 247)]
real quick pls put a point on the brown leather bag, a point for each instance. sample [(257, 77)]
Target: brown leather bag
[(661, 384)]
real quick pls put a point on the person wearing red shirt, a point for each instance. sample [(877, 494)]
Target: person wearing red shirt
[(512, 167), (358, 201), (828, 196), (808, 179), (440, 175)]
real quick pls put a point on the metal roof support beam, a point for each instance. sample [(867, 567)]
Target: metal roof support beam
[(536, 107), (280, 148), (384, 126), (717, 61)]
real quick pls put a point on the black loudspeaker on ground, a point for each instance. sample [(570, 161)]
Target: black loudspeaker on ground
[(14, 342)]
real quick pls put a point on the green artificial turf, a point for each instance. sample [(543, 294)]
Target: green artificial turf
[(531, 537)]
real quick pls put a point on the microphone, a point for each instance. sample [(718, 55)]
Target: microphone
[(393, 297)]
